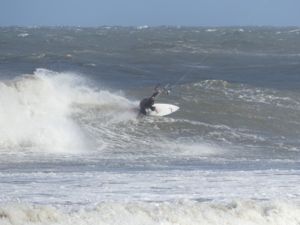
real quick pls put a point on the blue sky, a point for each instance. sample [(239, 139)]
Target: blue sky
[(150, 12)]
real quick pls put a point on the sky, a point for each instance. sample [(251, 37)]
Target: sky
[(149, 12)]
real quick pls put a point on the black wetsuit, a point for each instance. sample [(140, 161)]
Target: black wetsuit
[(147, 103)]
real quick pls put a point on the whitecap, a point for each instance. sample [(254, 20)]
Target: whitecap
[(23, 35)]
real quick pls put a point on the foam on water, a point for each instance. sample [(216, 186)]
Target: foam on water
[(23, 35), (167, 213), (191, 148), (250, 94), (77, 184)]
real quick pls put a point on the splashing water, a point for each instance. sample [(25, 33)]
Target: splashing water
[(38, 110)]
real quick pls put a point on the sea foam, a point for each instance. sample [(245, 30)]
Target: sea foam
[(166, 213)]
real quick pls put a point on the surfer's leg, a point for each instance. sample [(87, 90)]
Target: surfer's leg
[(143, 111)]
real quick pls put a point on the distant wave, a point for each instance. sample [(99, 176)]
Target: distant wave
[(245, 93)]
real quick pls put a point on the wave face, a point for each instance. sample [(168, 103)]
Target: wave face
[(63, 112), (183, 213), (60, 112)]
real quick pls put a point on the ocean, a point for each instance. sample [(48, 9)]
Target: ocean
[(74, 151)]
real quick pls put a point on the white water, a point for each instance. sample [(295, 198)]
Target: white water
[(37, 111), (168, 213), (84, 185)]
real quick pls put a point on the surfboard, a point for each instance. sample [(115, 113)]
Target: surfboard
[(162, 109)]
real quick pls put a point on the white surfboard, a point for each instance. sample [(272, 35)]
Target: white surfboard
[(162, 109)]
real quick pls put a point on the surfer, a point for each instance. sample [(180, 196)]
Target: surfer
[(147, 103)]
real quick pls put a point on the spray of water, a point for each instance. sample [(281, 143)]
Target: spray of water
[(38, 111)]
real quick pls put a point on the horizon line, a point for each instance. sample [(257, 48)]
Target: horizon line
[(147, 26)]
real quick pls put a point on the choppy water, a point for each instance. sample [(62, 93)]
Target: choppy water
[(74, 152)]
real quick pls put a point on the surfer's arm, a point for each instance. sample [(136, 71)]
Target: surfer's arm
[(155, 94)]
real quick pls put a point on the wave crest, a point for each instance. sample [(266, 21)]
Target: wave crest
[(38, 110)]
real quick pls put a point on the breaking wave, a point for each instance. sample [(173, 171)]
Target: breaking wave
[(40, 111), (167, 213)]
